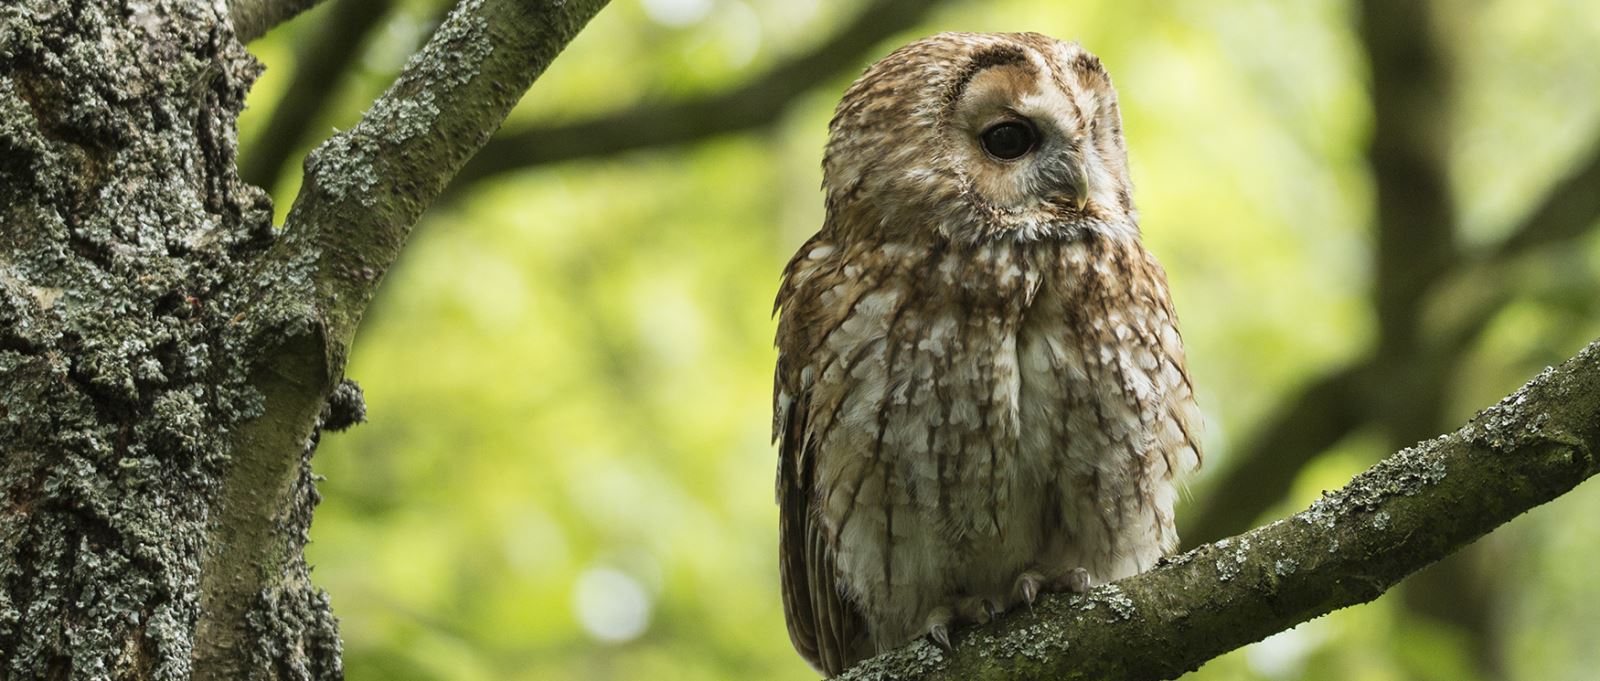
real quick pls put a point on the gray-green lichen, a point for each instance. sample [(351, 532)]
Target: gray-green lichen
[(1233, 556), (920, 657), (346, 166), (126, 241)]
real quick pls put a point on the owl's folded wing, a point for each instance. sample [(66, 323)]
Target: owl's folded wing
[(825, 627)]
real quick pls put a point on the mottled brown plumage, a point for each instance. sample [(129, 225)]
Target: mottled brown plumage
[(980, 389)]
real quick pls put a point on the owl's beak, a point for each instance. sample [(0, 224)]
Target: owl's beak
[(1080, 183)]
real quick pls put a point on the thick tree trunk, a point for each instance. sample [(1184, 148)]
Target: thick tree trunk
[(167, 358), (126, 243)]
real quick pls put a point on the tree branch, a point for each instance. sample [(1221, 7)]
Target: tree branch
[(363, 191), (755, 103), (1408, 154), (320, 63), (1349, 547), (253, 18), (365, 188)]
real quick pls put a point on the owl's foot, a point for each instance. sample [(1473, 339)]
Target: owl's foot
[(977, 610), (980, 610), (1030, 583), (939, 623), (966, 611), (1027, 587), (1076, 581)]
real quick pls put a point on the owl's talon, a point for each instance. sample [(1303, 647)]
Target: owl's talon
[(1027, 587), (1078, 581), (975, 610), (939, 627)]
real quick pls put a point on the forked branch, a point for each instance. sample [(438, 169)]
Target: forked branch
[(362, 193)]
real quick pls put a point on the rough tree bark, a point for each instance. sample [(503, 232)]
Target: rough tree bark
[(167, 358), (1408, 511)]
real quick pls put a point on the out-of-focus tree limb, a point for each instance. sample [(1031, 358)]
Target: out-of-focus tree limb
[(1413, 248), (1570, 209), (1323, 413), (1410, 114), (320, 63), (1349, 547), (1415, 231), (756, 102), (1265, 465), (253, 18)]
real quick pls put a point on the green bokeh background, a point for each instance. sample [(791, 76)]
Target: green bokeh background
[(567, 473)]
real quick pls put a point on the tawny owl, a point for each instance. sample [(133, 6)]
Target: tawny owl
[(981, 390)]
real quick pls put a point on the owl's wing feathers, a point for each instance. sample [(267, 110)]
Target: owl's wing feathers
[(824, 625)]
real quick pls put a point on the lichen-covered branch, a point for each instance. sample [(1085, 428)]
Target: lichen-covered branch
[(1349, 547), (366, 187), (321, 63), (253, 18), (757, 102), (362, 193)]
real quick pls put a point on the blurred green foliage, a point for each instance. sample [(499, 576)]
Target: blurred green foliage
[(567, 471)]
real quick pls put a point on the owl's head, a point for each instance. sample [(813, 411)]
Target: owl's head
[(973, 137)]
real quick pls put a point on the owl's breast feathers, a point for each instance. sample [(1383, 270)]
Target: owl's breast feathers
[(948, 415)]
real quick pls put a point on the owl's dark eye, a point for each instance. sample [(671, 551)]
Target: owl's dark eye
[(1009, 140)]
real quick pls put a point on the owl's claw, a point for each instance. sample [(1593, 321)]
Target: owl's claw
[(939, 627), (1027, 587), (1077, 581), (980, 610)]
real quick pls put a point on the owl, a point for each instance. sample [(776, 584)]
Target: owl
[(980, 391)]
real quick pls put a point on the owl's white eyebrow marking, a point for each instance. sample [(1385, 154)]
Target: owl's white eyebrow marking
[(999, 55)]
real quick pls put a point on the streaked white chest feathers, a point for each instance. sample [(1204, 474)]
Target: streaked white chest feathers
[(976, 413)]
